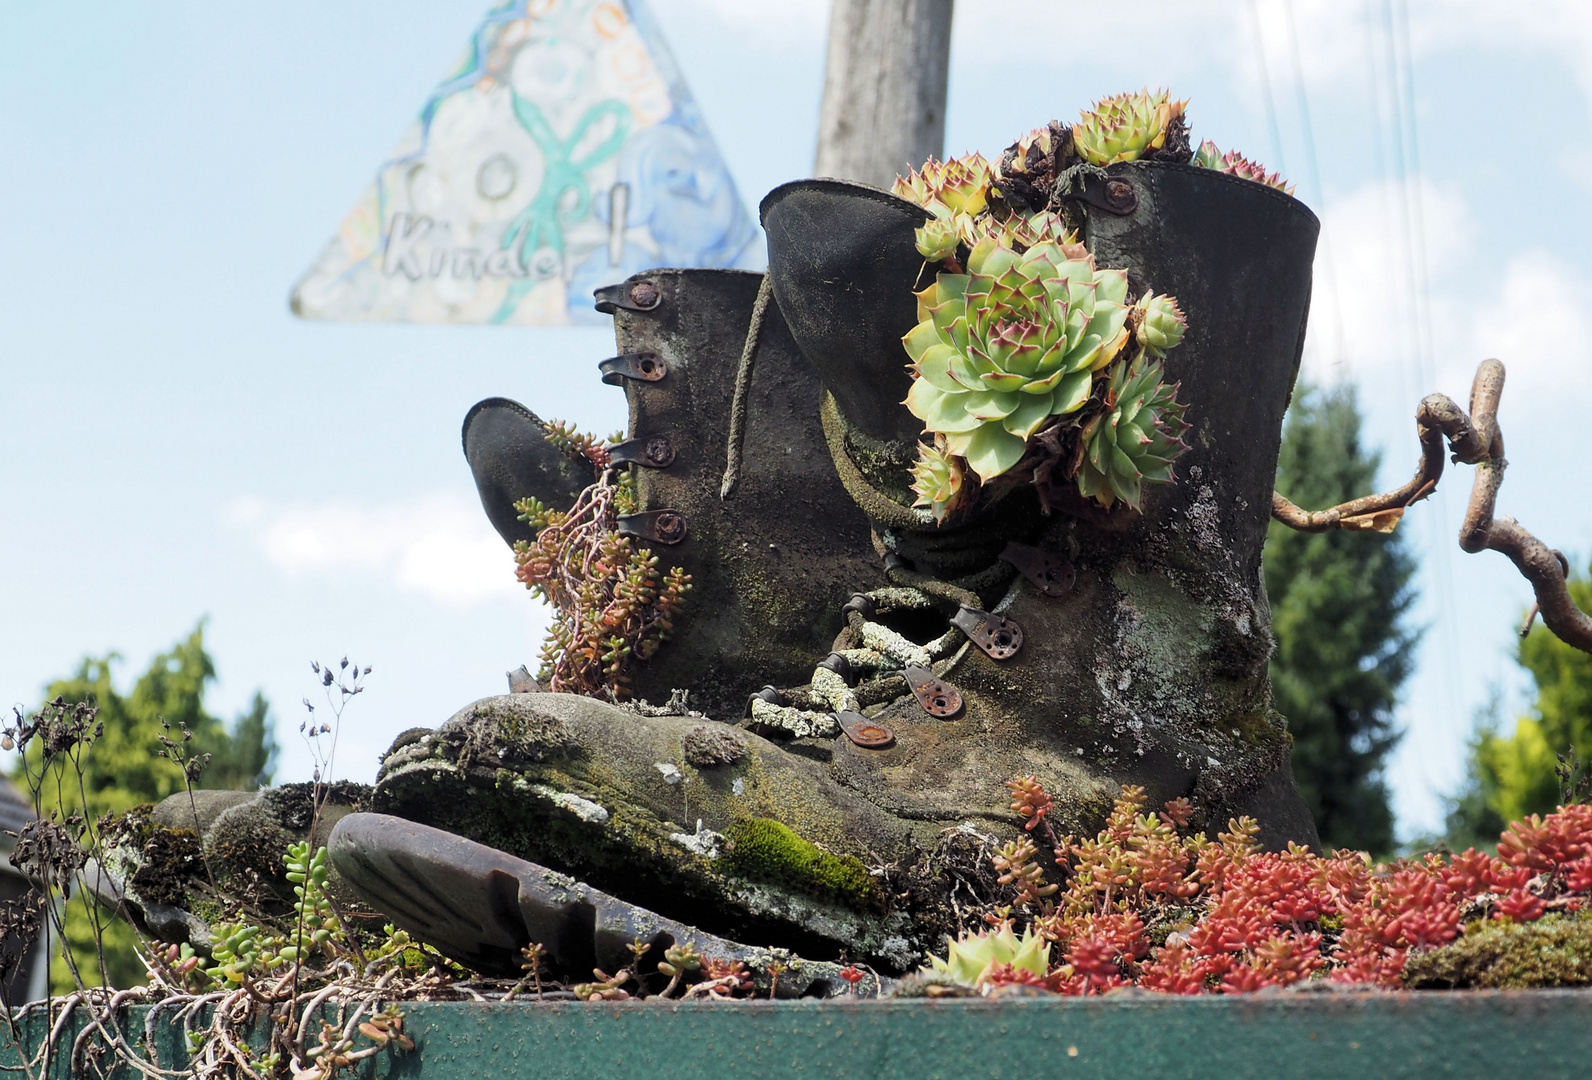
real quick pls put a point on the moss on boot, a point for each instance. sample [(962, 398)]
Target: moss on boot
[(764, 850)]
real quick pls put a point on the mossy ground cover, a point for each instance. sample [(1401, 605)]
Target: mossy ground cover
[(1556, 950)]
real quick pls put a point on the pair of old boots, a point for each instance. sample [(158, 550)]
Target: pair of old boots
[(1089, 649)]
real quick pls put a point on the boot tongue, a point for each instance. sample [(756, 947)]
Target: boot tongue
[(844, 266), (507, 448)]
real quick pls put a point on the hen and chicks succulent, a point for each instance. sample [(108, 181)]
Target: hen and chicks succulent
[(1010, 344), (1147, 125), (1028, 353), (1236, 164)]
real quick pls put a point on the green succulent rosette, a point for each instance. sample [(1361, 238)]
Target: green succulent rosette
[(1136, 440), (1159, 323), (1235, 164), (936, 478), (970, 958), (1127, 127), (1010, 344), (955, 193)]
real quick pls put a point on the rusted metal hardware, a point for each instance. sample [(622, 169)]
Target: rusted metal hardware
[(937, 697), (638, 366), (1047, 571), (839, 665), (521, 681), (769, 694), (864, 732), (632, 296), (659, 526), (649, 451), (998, 636), (1113, 194)]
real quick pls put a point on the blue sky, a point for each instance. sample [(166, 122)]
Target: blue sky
[(177, 446)]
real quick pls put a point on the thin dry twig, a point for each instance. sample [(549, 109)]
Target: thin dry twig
[(1475, 439)]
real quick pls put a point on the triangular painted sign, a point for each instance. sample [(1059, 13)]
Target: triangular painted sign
[(563, 154)]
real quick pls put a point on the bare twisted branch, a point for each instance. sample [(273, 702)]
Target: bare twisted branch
[(1474, 439)]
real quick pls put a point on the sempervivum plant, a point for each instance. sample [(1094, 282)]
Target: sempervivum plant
[(1136, 439), (1028, 169), (1128, 127), (975, 957), (955, 192), (1238, 165), (937, 478), (1158, 323), (1010, 344), (1020, 233)]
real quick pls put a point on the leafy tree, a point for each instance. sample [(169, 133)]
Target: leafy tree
[(125, 767), (1338, 602), (1514, 775)]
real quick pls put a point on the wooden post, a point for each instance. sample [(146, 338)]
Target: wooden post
[(884, 88)]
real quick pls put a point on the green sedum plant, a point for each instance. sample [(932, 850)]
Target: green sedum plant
[(247, 951)]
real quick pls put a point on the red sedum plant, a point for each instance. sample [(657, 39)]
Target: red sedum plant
[(1141, 904), (612, 603)]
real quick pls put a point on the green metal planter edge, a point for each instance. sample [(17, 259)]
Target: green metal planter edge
[(1538, 1033)]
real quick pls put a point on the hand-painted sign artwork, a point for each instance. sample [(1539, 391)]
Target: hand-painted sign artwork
[(565, 153)]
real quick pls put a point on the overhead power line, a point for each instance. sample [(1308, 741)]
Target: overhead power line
[(1265, 85), (1340, 356), (1391, 66)]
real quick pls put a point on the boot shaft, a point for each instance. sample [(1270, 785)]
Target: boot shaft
[(772, 561), (1151, 666)]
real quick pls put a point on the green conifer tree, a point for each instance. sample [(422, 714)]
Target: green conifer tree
[(1338, 604), (1514, 775)]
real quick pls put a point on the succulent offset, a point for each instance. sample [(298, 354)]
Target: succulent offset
[(1136, 440), (1158, 323), (1003, 348), (1021, 233), (1237, 164), (936, 478), (970, 960), (955, 192), (1131, 126)]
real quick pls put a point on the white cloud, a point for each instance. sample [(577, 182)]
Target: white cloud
[(1363, 322), (438, 546), (1362, 314), (1531, 321)]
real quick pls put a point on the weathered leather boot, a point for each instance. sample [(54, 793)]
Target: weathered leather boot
[(774, 553), (1146, 636), (741, 495), (1088, 648)]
